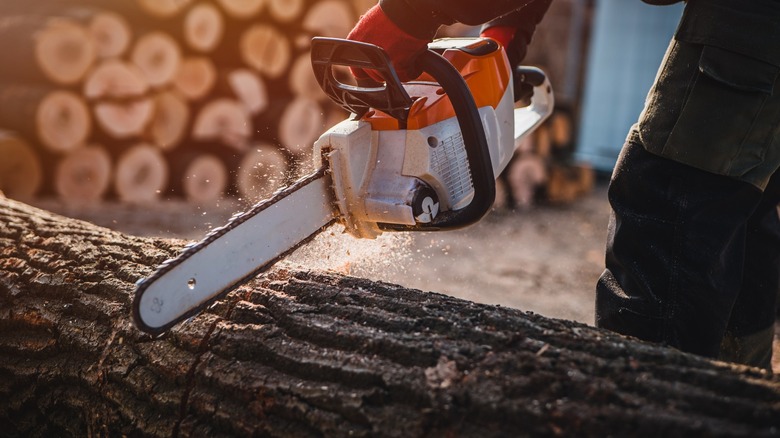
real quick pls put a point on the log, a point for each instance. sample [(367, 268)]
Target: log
[(267, 50), (203, 27), (21, 172), (44, 49), (83, 176), (200, 177), (302, 81), (285, 11), (524, 177), (301, 123), (123, 120), (308, 353), (261, 171), (170, 120), (242, 9), (141, 174), (225, 120), (158, 56), (109, 30), (115, 79), (196, 77), (329, 18), (57, 119), (567, 182), (163, 8), (249, 88)]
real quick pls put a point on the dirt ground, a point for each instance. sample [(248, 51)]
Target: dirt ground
[(545, 259)]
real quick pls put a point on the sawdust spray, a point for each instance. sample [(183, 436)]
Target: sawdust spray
[(334, 250)]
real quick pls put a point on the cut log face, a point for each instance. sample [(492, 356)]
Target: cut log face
[(329, 18), (56, 119), (285, 10), (196, 77), (21, 174), (526, 174), (266, 50), (158, 56), (141, 174), (170, 120), (205, 179), (224, 120), (203, 27), (301, 124), (63, 121), (302, 81), (110, 33), (115, 79), (262, 170), (64, 51), (163, 8), (242, 8), (126, 119), (250, 89), (83, 175)]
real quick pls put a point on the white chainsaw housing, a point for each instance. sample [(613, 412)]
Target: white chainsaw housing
[(374, 173)]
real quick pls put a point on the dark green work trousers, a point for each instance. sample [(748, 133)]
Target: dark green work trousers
[(693, 251)]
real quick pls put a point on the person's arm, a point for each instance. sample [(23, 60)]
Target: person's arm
[(404, 27), (422, 18)]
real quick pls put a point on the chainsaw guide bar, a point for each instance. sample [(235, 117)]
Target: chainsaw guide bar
[(170, 294)]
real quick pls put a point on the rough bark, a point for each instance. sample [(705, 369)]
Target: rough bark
[(297, 353)]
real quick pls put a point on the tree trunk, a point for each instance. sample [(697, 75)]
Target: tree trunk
[(296, 353)]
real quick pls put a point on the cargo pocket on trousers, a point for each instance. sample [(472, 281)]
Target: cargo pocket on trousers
[(714, 131)]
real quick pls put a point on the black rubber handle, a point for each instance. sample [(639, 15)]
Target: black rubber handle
[(474, 138), (390, 97)]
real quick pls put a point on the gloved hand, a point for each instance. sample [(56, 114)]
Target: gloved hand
[(376, 28), (516, 47)]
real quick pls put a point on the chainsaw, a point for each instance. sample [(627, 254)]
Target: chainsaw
[(416, 156)]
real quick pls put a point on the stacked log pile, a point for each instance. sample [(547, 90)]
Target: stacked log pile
[(142, 99), (139, 99)]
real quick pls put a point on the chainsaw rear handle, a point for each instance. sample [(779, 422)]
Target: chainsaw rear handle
[(392, 98)]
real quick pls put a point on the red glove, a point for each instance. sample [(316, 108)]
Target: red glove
[(502, 34), (376, 28)]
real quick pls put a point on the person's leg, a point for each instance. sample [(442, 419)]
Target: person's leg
[(675, 251), (751, 329)]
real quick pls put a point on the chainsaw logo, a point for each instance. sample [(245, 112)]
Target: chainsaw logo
[(430, 209)]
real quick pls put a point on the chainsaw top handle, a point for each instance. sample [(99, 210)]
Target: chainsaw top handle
[(392, 98)]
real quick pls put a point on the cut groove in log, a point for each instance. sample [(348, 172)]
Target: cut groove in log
[(126, 119), (64, 51), (163, 8), (21, 173), (141, 174), (301, 124), (266, 50), (171, 118), (329, 18), (196, 77), (110, 33), (224, 120), (115, 79), (249, 88), (285, 10), (158, 56), (262, 170), (83, 175), (242, 9), (203, 27), (307, 353), (58, 119), (201, 177)]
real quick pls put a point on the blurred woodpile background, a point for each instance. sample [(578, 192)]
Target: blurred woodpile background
[(139, 100)]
